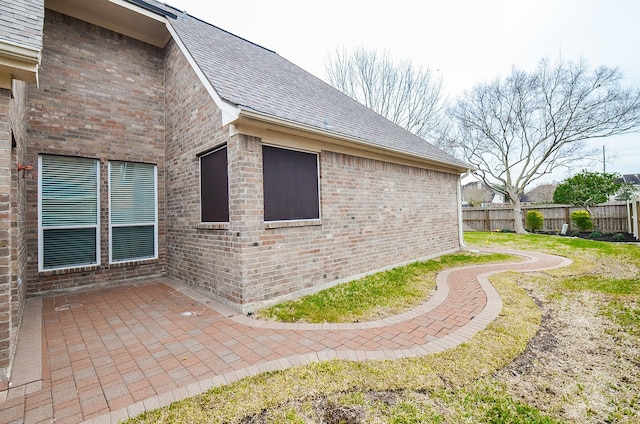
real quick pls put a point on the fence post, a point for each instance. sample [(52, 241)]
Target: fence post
[(636, 218)]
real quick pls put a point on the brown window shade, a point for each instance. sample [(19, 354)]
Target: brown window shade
[(290, 184), (214, 186)]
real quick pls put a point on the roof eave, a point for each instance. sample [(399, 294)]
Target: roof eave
[(134, 19), (19, 62), (244, 113)]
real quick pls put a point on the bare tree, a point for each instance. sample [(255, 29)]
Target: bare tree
[(517, 129), (407, 95)]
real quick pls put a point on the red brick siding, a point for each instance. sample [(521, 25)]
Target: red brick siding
[(208, 259), (5, 232), (13, 258), (375, 214), (101, 96), (106, 96)]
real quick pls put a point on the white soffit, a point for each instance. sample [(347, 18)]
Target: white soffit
[(116, 15)]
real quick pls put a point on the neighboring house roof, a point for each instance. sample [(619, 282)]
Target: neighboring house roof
[(21, 23), (631, 179), (256, 79), (540, 194), (488, 194)]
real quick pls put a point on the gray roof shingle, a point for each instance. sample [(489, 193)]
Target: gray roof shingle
[(255, 78), (21, 23)]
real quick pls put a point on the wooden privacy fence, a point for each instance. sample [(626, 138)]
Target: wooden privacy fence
[(608, 218)]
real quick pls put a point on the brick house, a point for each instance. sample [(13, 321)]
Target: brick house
[(138, 141)]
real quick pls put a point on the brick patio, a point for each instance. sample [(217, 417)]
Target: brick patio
[(108, 354)]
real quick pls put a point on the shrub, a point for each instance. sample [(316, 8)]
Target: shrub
[(582, 219), (576, 234), (534, 220), (595, 234), (618, 237)]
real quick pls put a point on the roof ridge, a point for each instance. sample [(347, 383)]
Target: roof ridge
[(184, 12), (152, 8)]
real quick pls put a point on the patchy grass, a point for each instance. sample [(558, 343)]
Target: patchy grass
[(481, 402), (583, 365), (625, 314), (376, 296), (573, 358)]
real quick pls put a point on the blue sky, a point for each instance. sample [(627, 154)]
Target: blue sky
[(465, 41)]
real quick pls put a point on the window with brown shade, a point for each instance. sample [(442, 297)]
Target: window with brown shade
[(291, 188), (214, 186)]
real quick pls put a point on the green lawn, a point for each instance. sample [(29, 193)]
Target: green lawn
[(375, 296), (464, 384)]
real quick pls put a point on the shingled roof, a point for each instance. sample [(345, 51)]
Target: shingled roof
[(21, 23), (257, 79)]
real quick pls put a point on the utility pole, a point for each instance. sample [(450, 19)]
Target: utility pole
[(604, 161)]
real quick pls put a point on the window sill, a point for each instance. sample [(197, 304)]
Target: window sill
[(293, 223), (71, 270), (133, 262), (212, 226)]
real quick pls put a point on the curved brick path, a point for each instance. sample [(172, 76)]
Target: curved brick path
[(112, 353)]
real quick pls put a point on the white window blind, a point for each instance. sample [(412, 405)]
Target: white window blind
[(132, 211), (68, 205)]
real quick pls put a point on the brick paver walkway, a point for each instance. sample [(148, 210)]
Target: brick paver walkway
[(109, 354)]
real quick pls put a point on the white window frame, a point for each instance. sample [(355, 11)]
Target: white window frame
[(155, 222), (42, 229)]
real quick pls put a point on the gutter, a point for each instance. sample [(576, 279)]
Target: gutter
[(252, 114), (20, 61), (460, 219)]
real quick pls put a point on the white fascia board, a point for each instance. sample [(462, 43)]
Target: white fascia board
[(19, 61), (20, 52), (252, 114), (230, 112)]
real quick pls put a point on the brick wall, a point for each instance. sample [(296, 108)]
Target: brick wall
[(375, 214), (5, 233), (203, 257), (105, 96), (13, 257), (101, 96)]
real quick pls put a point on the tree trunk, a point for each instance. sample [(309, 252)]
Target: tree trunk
[(517, 215)]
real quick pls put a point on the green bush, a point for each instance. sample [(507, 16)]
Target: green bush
[(595, 235), (534, 220), (582, 220), (618, 237)]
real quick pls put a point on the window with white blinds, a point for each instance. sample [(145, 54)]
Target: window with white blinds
[(68, 212), (133, 211)]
